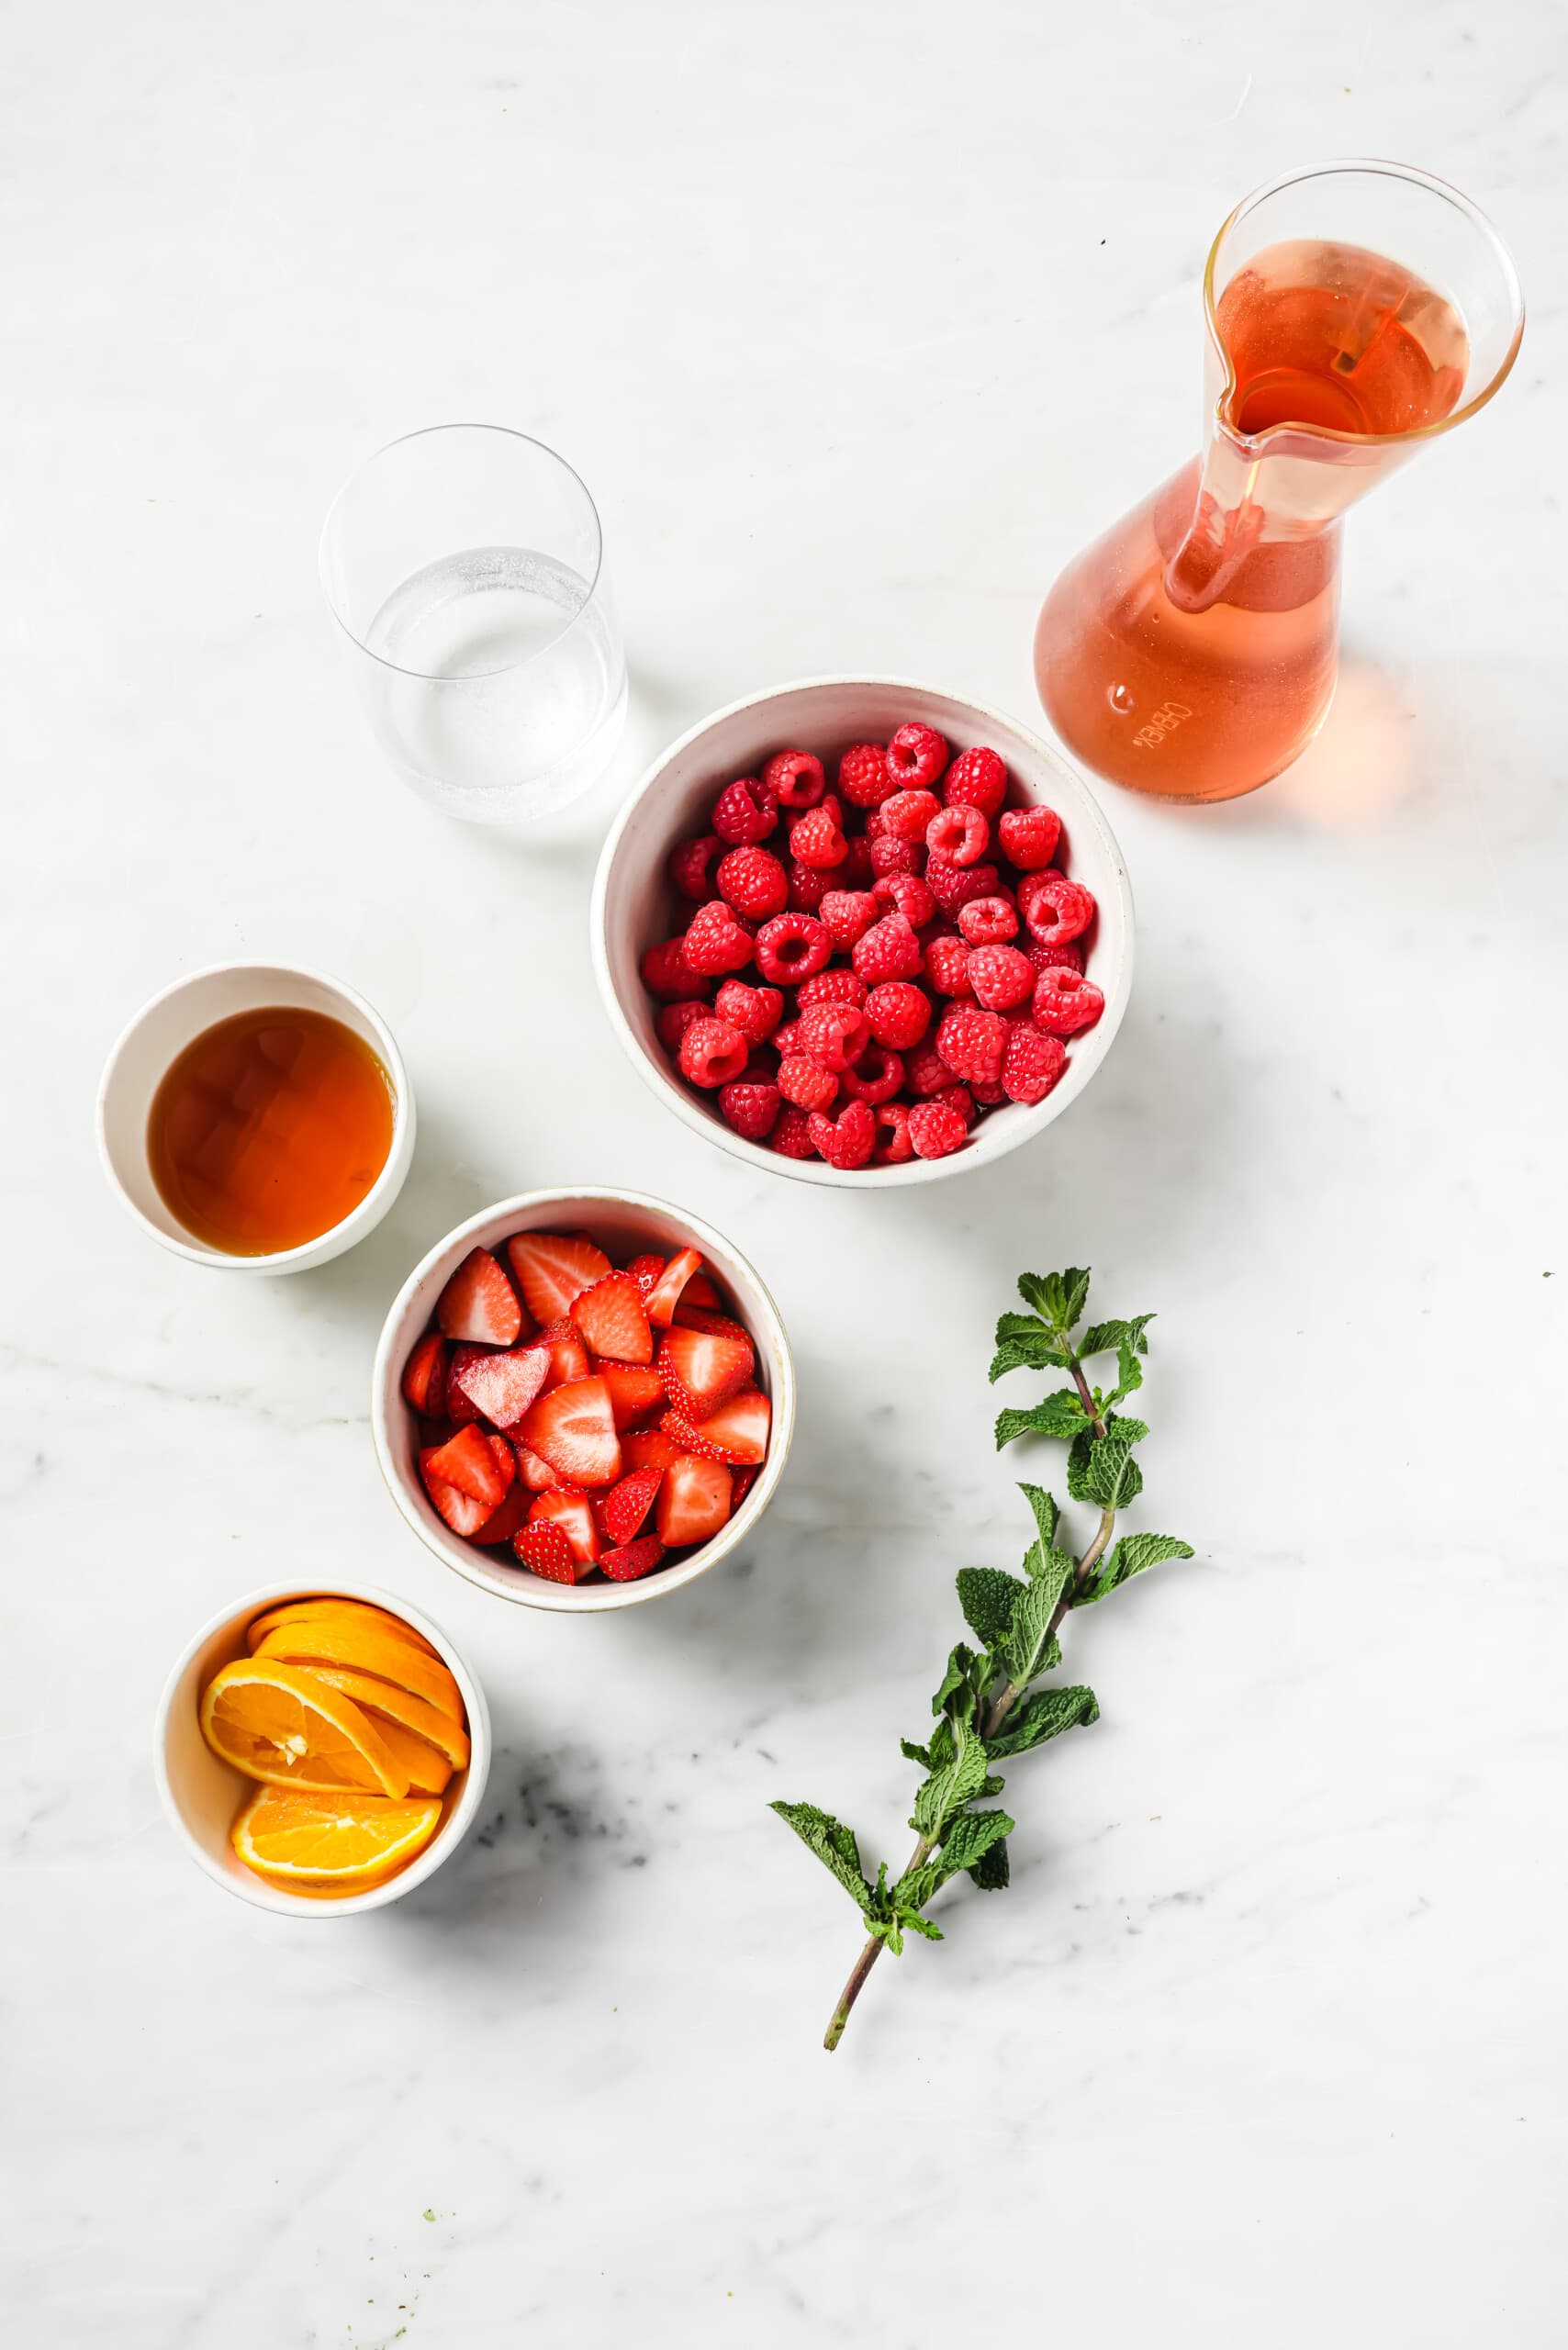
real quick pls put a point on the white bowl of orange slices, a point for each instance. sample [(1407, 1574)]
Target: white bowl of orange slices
[(322, 1751)]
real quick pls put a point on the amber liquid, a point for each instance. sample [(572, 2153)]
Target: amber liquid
[(269, 1129), (1192, 652)]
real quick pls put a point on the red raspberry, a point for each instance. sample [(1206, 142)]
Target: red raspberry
[(1033, 1062), (990, 1096), (753, 883), (890, 950), (972, 1042), (999, 975), (899, 1014), (790, 948), (752, 1110), (907, 814), (916, 755), (744, 810), (836, 986), (953, 885), (909, 894), (805, 1084), (787, 1040), (691, 865), (805, 888), (960, 834), (1055, 909), (715, 942), (927, 1072), (848, 914), (989, 922), (666, 973), (675, 1019), (893, 1144), (857, 872), (947, 966), (863, 774), (834, 1035), (934, 1129), (977, 778), (815, 840), (847, 1142), (1067, 957), (876, 1079), (756, 1012), (792, 1136), (795, 779), (1066, 1002), (959, 1099), (712, 1053), (890, 855), (1029, 836)]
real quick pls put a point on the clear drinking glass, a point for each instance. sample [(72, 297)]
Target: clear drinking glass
[(466, 567)]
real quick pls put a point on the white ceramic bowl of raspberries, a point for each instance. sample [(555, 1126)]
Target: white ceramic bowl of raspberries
[(863, 932), (582, 1401)]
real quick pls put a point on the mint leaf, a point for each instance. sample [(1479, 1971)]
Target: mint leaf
[(1058, 1297), (833, 1845), (993, 1873), (1132, 1555), (1078, 1464), (1024, 1652), (1045, 1715), (912, 1753), (1032, 1348), (947, 1791), (910, 1916), (1046, 1512), (1076, 1280), (1104, 1338), (956, 1682), (916, 1886), (987, 1597), (1129, 1372), (1110, 1476), (1058, 1414), (970, 1838)]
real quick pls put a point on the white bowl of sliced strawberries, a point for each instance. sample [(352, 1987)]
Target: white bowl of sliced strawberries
[(582, 1401)]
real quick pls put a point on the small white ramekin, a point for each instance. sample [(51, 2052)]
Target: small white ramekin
[(624, 1222), (163, 1027), (634, 903), (203, 1796)]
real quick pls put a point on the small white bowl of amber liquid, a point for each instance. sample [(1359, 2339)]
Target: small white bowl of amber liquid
[(256, 1117)]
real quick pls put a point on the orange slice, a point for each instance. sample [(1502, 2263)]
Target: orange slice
[(366, 1648), (284, 1726), (384, 1702), (342, 1843), (424, 1767), (311, 1611)]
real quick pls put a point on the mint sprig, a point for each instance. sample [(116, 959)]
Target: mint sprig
[(987, 1708)]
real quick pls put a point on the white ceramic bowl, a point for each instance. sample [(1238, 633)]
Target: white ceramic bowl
[(203, 1795), (635, 904), (163, 1027), (623, 1223)]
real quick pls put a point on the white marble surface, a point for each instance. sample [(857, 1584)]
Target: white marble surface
[(858, 321)]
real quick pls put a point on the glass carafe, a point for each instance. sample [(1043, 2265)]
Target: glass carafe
[(1354, 311)]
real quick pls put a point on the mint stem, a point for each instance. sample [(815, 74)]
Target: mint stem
[(995, 1717)]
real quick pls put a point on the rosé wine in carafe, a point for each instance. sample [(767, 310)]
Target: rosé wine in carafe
[(1192, 652)]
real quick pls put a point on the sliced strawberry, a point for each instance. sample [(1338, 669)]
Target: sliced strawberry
[(649, 1448), (702, 1367), (664, 1296), (552, 1268), (572, 1514), (627, 1505), (546, 1549), (424, 1375), (573, 1428), (461, 1511), (568, 1358), (684, 1434), (699, 1291), (504, 1386), (612, 1322), (460, 1408), (719, 1325), (645, 1271), (737, 1431), (479, 1302), (503, 1523), (694, 1501), (468, 1462), (633, 1390), (636, 1559), (741, 1482), (536, 1474)]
